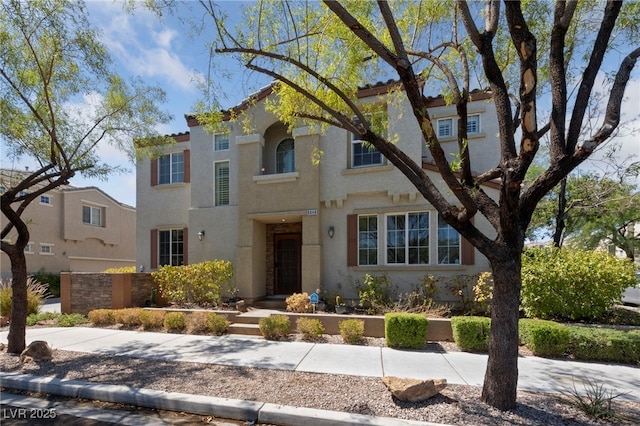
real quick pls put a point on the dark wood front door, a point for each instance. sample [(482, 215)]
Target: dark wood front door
[(287, 263)]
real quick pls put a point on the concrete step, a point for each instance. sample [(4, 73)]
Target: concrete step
[(246, 329), (278, 303), (247, 319)]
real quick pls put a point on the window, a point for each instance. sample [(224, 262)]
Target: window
[(46, 249), (221, 183), (92, 215), (171, 247), (45, 199), (171, 168), (473, 124), (28, 249), (448, 244), (368, 240), (445, 128), (285, 156), (3, 189), (221, 142), (362, 153), (408, 238)]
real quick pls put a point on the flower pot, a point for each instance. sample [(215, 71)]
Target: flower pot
[(341, 309)]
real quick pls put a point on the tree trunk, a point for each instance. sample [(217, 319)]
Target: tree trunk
[(562, 206), (18, 324), (501, 377)]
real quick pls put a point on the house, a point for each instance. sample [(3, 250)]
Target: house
[(290, 224), (74, 229)]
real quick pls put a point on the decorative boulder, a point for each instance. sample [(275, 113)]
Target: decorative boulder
[(38, 350), (413, 390)]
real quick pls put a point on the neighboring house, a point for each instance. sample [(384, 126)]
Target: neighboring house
[(291, 225), (74, 229)]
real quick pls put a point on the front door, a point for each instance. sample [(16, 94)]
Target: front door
[(287, 263)]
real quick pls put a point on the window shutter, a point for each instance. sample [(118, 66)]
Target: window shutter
[(352, 240), (154, 249), (185, 243), (187, 167), (154, 172)]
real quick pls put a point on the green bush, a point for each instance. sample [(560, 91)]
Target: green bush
[(152, 319), (310, 328), (471, 333), (352, 330), (544, 338), (206, 323), (102, 316), (33, 319), (129, 317), (175, 321), (71, 320), (50, 279), (403, 330), (603, 344), (201, 283), (375, 292), (275, 327), (572, 284), (36, 294)]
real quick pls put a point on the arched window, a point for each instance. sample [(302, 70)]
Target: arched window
[(285, 156)]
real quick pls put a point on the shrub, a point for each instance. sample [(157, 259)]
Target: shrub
[(102, 316), (299, 303), (36, 294), (572, 284), (129, 317), (50, 279), (122, 270), (33, 319), (403, 330), (375, 292), (603, 344), (596, 401), (71, 320), (544, 338), (175, 321), (352, 330), (310, 328), (471, 333), (152, 319), (275, 327), (207, 322), (201, 283), (483, 293)]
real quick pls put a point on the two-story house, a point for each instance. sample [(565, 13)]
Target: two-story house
[(74, 229), (291, 224)]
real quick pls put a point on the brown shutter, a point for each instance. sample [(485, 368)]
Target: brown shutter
[(154, 249), (352, 240), (185, 245), (187, 166), (154, 172)]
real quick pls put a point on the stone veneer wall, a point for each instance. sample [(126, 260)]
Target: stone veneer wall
[(83, 292), (272, 230)]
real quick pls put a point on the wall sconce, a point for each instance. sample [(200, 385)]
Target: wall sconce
[(331, 232), (141, 268), (201, 235)]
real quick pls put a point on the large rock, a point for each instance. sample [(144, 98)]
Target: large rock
[(38, 350), (413, 390)]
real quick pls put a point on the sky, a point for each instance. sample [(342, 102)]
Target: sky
[(165, 52)]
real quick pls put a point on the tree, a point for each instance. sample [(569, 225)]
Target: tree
[(59, 101), (321, 54)]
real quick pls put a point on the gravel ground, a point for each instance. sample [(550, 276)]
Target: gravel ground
[(456, 405)]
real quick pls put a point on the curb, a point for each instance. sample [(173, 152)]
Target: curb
[(235, 409)]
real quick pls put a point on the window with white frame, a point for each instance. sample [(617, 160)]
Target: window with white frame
[(221, 183), (92, 215), (368, 240), (46, 249), (45, 199), (473, 124), (28, 249), (171, 168), (408, 238), (171, 247), (445, 127), (221, 142), (448, 244), (363, 153)]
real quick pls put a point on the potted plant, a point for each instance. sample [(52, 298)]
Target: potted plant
[(341, 307)]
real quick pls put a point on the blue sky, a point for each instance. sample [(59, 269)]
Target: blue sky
[(164, 52)]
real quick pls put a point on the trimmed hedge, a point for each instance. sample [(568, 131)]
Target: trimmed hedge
[(604, 344), (352, 331), (405, 330), (544, 338), (471, 334), (275, 327)]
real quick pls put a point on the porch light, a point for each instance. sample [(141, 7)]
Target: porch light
[(201, 235), (331, 232)]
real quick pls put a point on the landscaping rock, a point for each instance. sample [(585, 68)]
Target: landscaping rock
[(38, 350), (413, 390)]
